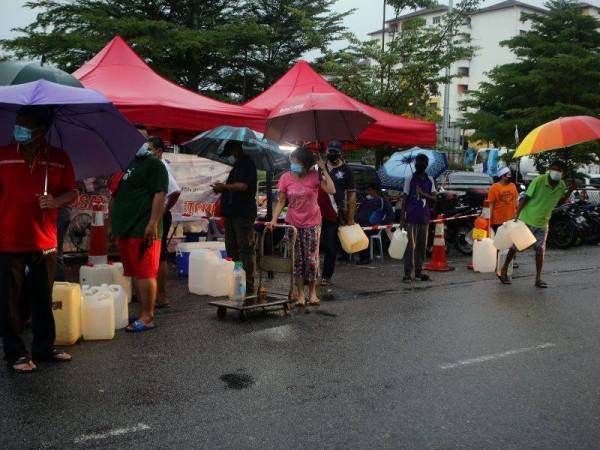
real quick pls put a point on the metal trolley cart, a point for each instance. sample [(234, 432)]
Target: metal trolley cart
[(271, 259)]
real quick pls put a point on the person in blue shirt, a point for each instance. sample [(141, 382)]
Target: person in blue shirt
[(375, 210)]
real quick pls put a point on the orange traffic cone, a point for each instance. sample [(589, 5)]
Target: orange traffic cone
[(97, 252), (438, 262)]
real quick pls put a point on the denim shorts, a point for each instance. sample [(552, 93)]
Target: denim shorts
[(541, 235)]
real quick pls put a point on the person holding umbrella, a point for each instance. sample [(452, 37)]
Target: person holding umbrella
[(337, 209), (36, 179), (238, 207), (299, 188), (535, 210)]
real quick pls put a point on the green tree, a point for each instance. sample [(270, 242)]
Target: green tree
[(230, 48), (557, 73), (411, 66)]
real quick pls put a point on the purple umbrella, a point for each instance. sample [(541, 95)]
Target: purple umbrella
[(97, 137)]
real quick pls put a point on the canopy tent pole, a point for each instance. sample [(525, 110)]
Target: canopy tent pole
[(269, 196)]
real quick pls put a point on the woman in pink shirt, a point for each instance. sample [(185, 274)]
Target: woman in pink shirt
[(300, 188)]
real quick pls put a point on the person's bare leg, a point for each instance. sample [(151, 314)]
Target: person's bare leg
[(163, 271), (511, 255), (147, 299), (539, 265), (300, 296), (313, 294)]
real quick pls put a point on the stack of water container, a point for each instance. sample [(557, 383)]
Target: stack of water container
[(184, 250), (106, 297), (209, 274)]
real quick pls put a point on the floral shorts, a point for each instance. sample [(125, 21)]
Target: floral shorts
[(306, 252)]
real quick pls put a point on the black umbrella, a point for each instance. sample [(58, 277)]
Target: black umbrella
[(12, 72)]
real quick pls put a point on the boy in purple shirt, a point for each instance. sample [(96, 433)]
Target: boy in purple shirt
[(419, 190)]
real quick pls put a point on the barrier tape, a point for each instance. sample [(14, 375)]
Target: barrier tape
[(385, 227)]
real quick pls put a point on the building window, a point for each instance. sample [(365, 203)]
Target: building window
[(437, 20), (463, 71), (522, 32), (405, 59), (462, 88), (466, 21)]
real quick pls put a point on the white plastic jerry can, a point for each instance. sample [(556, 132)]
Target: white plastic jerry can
[(202, 271), (502, 239), (521, 235), (120, 279), (66, 308), (484, 256), (353, 238), (222, 284), (95, 275), (120, 302), (398, 244), (98, 315)]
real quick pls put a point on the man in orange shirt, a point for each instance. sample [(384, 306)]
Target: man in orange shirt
[(503, 198)]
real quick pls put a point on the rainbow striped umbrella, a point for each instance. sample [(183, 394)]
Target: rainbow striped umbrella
[(560, 133)]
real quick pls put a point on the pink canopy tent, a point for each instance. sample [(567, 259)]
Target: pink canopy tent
[(145, 97), (388, 129)]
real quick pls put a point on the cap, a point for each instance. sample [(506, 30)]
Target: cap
[(503, 171), (334, 146)]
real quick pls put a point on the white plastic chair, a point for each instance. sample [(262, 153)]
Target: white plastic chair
[(373, 239)]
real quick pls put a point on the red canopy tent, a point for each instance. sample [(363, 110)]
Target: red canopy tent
[(389, 129), (145, 97)]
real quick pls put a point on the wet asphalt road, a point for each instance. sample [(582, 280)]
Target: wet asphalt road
[(462, 362)]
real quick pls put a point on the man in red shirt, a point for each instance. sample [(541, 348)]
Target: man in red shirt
[(29, 209)]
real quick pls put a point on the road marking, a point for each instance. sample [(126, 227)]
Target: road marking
[(112, 433), (485, 358)]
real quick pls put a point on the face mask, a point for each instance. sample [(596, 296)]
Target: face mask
[(333, 157), (143, 151), (369, 197), (22, 135), (420, 168), (296, 168), (555, 175), (230, 159)]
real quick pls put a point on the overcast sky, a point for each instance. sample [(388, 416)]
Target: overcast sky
[(367, 18)]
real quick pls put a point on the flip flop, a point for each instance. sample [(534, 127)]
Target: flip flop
[(23, 360), (541, 284), (424, 277), (315, 302), (504, 279), (407, 280), (138, 326), (53, 357)]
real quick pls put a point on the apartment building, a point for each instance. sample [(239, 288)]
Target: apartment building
[(488, 27)]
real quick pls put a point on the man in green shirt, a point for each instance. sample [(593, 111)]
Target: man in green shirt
[(136, 211), (535, 210)]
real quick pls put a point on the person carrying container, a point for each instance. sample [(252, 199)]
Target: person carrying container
[(137, 205), (535, 210), (157, 147), (503, 198), (238, 207), (29, 235), (336, 209), (419, 189), (300, 189)]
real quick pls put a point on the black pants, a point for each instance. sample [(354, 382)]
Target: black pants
[(239, 243), (42, 268), (331, 243), (64, 220)]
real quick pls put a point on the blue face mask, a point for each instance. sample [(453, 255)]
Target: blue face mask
[(143, 150), (296, 168), (22, 135)]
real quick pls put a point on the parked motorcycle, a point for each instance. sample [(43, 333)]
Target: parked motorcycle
[(572, 224), (453, 204)]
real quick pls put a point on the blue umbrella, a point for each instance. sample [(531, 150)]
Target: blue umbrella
[(402, 165), (265, 153)]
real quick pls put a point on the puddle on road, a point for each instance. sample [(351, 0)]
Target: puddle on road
[(237, 381)]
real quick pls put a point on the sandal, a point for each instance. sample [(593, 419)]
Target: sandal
[(55, 356), (407, 280), (315, 301), (504, 279), (138, 326), (424, 277), (23, 360), (325, 282), (541, 284)]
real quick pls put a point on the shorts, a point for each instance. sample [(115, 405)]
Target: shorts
[(141, 267), (541, 235), (167, 221)]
